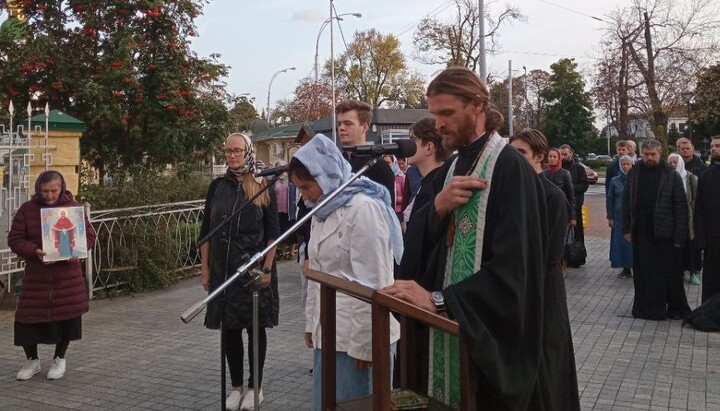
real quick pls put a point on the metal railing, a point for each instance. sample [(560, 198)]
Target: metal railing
[(122, 238)]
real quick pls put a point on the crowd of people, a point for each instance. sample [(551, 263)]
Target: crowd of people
[(473, 226), (653, 212)]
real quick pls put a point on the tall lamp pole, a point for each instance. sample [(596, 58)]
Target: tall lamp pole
[(270, 86), (688, 95), (322, 27), (481, 40)]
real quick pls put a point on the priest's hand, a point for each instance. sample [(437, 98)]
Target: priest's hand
[(628, 237), (611, 223), (411, 292), (573, 223), (457, 192), (308, 340)]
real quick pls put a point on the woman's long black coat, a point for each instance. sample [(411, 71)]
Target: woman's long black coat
[(246, 234)]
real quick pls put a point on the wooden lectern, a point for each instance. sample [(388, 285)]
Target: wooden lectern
[(382, 304)]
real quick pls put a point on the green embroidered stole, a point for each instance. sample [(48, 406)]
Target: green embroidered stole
[(463, 260)]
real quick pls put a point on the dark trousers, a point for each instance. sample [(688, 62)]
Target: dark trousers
[(579, 229), (691, 258), (235, 355)]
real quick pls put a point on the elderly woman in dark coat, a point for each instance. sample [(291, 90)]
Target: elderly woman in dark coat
[(248, 233), (53, 296)]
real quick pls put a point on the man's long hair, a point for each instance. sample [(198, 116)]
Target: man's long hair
[(465, 84)]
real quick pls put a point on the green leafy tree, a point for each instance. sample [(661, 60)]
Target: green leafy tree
[(706, 116), (241, 115), (568, 115), (373, 69), (125, 68)]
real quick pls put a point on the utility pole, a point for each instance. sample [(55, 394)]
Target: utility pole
[(481, 41), (510, 100)]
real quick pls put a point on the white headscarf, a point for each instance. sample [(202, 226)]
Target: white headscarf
[(680, 168), (327, 166)]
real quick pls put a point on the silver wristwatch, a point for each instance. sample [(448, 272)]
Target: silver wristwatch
[(437, 298)]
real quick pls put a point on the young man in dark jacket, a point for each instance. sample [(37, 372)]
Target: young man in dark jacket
[(686, 150), (655, 220)]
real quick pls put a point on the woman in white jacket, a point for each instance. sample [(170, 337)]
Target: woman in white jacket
[(355, 237)]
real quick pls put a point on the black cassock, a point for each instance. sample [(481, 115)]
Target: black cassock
[(657, 268), (500, 308), (557, 337), (707, 228)]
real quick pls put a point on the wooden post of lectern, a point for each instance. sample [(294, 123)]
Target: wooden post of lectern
[(382, 304)]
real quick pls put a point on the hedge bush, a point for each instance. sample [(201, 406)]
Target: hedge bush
[(140, 187), (155, 252)]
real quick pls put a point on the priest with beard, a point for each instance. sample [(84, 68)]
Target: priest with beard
[(487, 231), (707, 223), (655, 221)]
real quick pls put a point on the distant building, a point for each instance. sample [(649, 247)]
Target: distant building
[(387, 126), (277, 143), (679, 121)]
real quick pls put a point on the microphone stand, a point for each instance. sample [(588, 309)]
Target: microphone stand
[(206, 238), (254, 277)]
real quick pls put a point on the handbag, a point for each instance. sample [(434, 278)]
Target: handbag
[(575, 252)]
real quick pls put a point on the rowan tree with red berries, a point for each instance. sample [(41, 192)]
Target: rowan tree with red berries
[(125, 68)]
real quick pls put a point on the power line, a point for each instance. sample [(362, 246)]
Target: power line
[(573, 11), (433, 13), (415, 22), (339, 26), (543, 54)]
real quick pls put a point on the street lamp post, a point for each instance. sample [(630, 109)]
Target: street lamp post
[(688, 95), (322, 27), (270, 86)]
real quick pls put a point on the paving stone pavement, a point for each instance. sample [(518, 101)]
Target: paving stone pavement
[(136, 354)]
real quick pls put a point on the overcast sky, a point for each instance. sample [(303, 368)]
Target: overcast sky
[(258, 38)]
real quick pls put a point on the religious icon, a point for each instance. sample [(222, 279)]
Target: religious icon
[(63, 231)]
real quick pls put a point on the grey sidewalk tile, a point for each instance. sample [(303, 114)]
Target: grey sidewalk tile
[(136, 354)]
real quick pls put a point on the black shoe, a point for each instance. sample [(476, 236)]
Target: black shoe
[(625, 273), (675, 316)]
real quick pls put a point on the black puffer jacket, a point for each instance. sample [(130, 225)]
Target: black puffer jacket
[(563, 181), (670, 216), (247, 234)]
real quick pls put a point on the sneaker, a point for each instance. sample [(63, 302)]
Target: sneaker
[(31, 368), (57, 370), (248, 403), (694, 280), (232, 402), (686, 276)]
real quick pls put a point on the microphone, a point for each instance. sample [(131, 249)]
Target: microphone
[(400, 149), (272, 171)]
